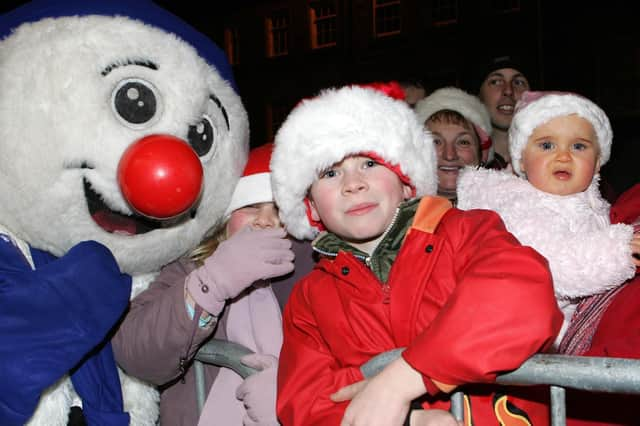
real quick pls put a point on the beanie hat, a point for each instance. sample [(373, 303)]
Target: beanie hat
[(536, 108), (469, 106), (501, 62), (145, 11), (255, 184), (351, 120)]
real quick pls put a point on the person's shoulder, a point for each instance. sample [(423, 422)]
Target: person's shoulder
[(463, 226), (474, 216), (626, 208)]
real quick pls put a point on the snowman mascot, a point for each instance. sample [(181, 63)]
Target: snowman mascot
[(121, 138)]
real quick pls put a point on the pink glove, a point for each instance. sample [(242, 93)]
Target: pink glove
[(258, 391), (246, 257)]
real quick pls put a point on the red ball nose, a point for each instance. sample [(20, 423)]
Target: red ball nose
[(160, 176)]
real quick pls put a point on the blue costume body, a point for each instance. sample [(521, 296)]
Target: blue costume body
[(75, 300)]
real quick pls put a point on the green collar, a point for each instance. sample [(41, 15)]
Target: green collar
[(383, 256)]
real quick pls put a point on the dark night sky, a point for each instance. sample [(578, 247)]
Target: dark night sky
[(568, 23)]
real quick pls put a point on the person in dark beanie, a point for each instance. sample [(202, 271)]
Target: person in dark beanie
[(503, 80)]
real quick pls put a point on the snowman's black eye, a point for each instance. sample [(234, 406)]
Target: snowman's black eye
[(202, 136), (136, 102)]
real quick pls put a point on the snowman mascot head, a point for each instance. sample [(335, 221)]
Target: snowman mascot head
[(119, 124)]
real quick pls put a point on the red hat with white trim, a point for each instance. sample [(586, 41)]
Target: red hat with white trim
[(338, 123), (255, 184)]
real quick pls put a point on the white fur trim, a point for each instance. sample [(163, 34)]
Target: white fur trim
[(457, 100), (551, 106), (251, 189), (339, 122), (454, 99), (141, 401)]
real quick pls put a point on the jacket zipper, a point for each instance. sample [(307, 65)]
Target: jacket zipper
[(386, 288)]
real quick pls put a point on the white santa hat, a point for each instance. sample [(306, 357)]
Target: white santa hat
[(255, 184), (537, 108), (469, 106), (338, 123)]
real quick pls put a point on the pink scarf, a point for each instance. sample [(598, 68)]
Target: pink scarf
[(254, 321), (584, 323)]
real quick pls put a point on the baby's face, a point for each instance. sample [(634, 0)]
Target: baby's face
[(562, 155)]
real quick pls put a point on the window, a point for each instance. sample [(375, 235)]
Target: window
[(445, 12), (232, 45), (386, 17), (278, 34), (506, 5), (276, 114), (323, 21)]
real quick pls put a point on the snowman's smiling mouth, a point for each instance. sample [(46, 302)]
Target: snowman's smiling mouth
[(112, 221)]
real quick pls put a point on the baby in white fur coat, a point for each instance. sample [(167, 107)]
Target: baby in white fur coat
[(558, 141)]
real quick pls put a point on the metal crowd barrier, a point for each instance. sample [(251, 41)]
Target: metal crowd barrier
[(596, 374)]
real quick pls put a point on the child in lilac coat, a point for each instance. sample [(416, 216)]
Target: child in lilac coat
[(222, 290)]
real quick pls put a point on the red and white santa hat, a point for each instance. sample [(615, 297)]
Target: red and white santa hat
[(351, 120), (255, 184), (537, 108), (469, 106)]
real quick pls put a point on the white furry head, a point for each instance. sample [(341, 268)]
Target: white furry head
[(469, 106), (537, 108), (62, 132), (324, 130)]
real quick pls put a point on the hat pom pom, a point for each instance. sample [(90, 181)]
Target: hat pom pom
[(392, 89)]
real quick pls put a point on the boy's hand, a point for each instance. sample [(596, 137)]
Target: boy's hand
[(383, 400), (246, 257), (349, 392), (433, 417)]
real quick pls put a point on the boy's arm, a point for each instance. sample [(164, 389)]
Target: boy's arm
[(501, 311), (308, 373)]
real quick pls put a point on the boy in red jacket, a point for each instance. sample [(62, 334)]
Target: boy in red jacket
[(455, 288)]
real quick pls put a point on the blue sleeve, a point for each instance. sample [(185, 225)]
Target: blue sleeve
[(96, 381), (50, 318)]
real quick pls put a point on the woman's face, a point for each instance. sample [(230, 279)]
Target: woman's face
[(457, 146)]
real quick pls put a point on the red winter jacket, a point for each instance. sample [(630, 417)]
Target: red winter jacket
[(617, 335), (468, 302)]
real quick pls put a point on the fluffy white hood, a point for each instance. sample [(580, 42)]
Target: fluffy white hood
[(586, 253)]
